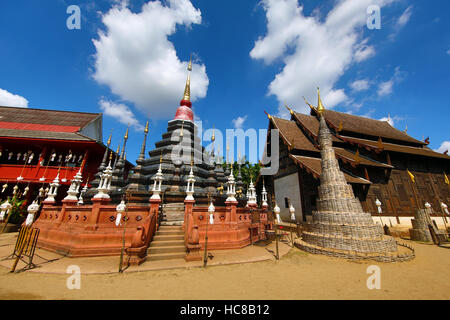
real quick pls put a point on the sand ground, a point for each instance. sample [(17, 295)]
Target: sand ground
[(297, 275)]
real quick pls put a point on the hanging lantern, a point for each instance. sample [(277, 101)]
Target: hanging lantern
[(444, 207), (378, 204), (121, 207), (32, 209), (10, 155), (18, 156), (80, 158), (46, 191), (292, 211), (26, 191), (60, 157), (211, 210), (15, 189), (277, 210), (30, 158), (53, 156), (5, 207), (4, 187), (41, 192)]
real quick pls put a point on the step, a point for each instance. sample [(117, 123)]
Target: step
[(172, 223), (165, 256), (173, 232), (166, 249), (173, 205), (170, 228), (168, 237), (166, 243)]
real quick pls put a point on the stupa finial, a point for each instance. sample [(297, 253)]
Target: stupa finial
[(187, 89), (320, 107)]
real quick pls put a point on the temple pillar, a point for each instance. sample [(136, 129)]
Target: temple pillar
[(97, 203), (192, 237), (231, 216), (154, 207)]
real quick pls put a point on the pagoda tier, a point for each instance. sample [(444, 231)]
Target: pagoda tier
[(179, 145)]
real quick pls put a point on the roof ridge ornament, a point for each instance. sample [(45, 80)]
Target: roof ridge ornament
[(290, 110)]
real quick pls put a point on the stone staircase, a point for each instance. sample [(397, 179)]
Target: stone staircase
[(173, 214), (168, 243)]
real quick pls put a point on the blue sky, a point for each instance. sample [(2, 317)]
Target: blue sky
[(249, 56)]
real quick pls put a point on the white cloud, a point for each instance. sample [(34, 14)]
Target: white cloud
[(364, 52), (448, 51), (385, 88), (314, 52), (404, 18), (239, 122), (401, 22), (444, 147), (8, 99), (137, 61), (360, 85), (120, 112), (391, 120)]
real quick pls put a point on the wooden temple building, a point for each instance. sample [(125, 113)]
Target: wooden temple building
[(37, 144), (379, 161)]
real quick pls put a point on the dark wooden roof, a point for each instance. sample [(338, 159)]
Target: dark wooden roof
[(309, 123), (421, 151), (349, 156), (50, 135), (292, 135), (297, 139), (367, 126), (44, 124), (313, 166), (47, 117)]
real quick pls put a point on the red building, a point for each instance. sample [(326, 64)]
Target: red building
[(36, 144)]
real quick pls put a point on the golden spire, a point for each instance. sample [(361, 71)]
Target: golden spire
[(406, 129), (308, 104), (213, 138), (290, 110), (118, 149), (187, 89), (126, 134), (146, 128), (109, 139), (320, 107), (110, 155)]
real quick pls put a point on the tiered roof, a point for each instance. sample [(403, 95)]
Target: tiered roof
[(350, 134), (45, 124)]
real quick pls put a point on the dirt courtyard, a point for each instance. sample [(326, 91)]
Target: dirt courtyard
[(297, 275)]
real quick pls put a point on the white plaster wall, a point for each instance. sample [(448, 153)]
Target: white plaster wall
[(287, 187), (406, 221)]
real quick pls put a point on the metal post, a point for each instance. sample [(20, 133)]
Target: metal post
[(205, 254), (251, 224), (123, 236)]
